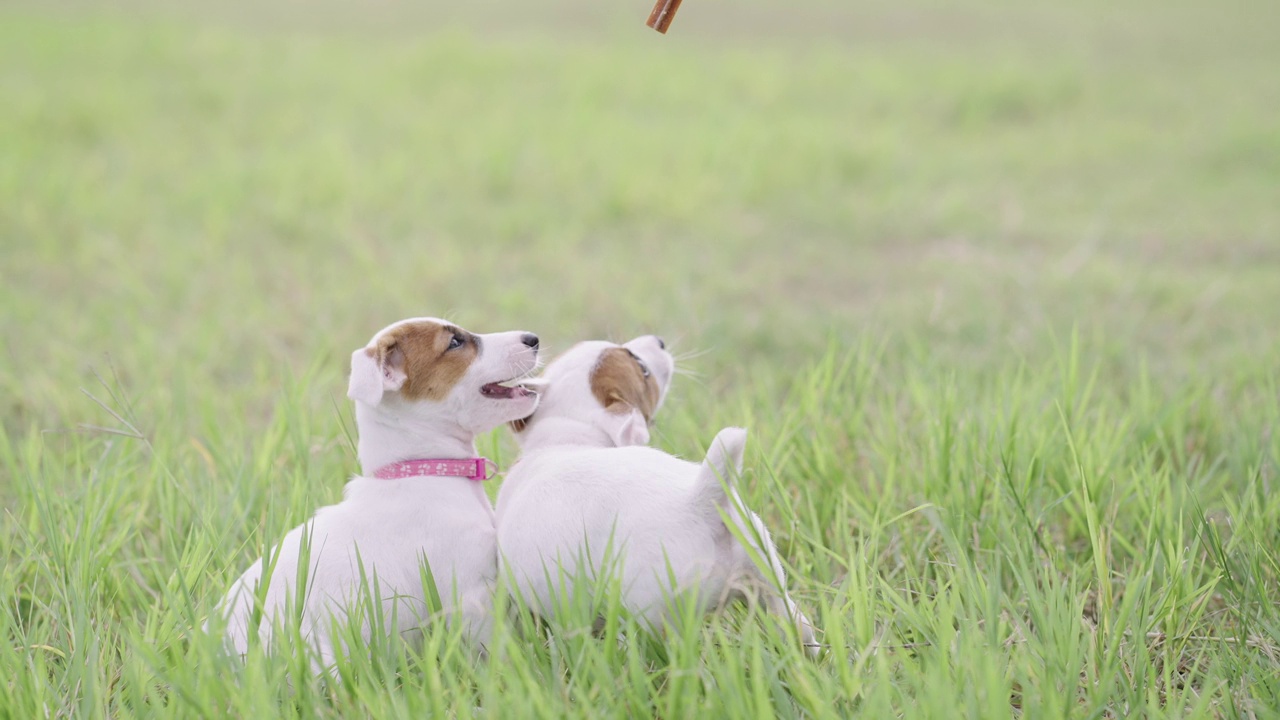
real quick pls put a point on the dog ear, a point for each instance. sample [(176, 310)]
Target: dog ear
[(626, 428), (620, 383), (375, 371)]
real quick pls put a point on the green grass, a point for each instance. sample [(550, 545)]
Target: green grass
[(995, 287)]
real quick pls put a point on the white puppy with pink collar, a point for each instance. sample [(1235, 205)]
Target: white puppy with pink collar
[(423, 388), (585, 483)]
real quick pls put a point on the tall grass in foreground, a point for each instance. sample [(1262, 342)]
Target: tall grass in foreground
[(1045, 541)]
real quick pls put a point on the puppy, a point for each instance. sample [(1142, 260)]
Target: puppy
[(598, 394), (423, 389), (583, 484)]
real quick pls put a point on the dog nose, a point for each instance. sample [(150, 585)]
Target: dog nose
[(661, 345), (530, 339)]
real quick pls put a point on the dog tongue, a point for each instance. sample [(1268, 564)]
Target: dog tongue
[(498, 391)]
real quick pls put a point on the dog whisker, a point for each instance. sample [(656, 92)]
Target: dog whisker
[(693, 377), (691, 354)]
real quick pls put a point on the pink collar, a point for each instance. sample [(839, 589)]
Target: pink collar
[(478, 469)]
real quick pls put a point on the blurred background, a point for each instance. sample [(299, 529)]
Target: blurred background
[(995, 284), (209, 197)]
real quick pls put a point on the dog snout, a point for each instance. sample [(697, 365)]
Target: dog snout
[(661, 345), (530, 340)]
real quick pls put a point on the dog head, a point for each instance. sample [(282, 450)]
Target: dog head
[(429, 366), (617, 388)]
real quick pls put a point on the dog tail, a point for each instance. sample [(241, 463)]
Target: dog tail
[(722, 465)]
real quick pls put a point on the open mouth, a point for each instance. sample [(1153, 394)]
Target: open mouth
[(506, 390)]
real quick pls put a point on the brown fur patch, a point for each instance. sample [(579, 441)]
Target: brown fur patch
[(421, 350), (620, 385)]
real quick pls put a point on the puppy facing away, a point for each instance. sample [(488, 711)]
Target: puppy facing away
[(599, 394), (423, 389), (585, 482)]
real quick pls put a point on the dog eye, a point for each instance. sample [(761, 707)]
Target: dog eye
[(644, 369), (456, 342)]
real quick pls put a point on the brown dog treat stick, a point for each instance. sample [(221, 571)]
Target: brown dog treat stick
[(664, 11)]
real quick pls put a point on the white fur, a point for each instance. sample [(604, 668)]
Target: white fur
[(390, 526), (671, 524), (569, 414)]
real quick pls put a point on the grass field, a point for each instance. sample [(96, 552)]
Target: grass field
[(994, 285)]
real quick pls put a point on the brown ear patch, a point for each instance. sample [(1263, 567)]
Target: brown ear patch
[(431, 369), (620, 385)]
